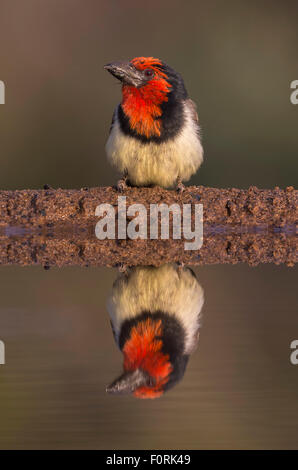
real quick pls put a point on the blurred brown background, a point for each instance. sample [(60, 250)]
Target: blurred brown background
[(238, 59)]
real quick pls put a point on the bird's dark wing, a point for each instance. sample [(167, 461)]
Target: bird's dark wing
[(114, 332), (113, 118), (193, 109)]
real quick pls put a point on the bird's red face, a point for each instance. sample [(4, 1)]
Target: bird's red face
[(145, 88), (143, 350), (147, 368)]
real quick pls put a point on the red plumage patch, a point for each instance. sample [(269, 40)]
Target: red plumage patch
[(143, 349), (143, 105), (142, 63)]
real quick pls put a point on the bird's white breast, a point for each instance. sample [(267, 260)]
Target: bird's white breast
[(152, 163)]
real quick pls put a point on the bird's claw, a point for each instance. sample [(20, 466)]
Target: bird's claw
[(121, 185), (123, 268), (180, 267), (179, 186)]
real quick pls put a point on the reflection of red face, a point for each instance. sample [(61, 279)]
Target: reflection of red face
[(143, 350), (143, 105)]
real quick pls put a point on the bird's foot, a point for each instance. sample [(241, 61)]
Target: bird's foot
[(179, 185), (123, 268), (121, 185), (180, 266)]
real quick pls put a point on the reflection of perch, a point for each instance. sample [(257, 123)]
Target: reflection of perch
[(78, 246)]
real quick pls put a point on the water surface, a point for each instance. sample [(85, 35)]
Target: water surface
[(239, 389)]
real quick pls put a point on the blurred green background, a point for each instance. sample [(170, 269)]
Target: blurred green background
[(238, 59)]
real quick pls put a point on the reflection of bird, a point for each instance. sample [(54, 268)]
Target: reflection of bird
[(155, 320), (154, 136)]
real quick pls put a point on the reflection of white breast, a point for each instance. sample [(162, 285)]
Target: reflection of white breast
[(167, 289), (154, 163)]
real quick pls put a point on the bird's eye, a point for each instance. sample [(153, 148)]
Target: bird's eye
[(148, 73)]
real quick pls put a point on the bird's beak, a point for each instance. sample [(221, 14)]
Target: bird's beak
[(125, 72), (129, 382)]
